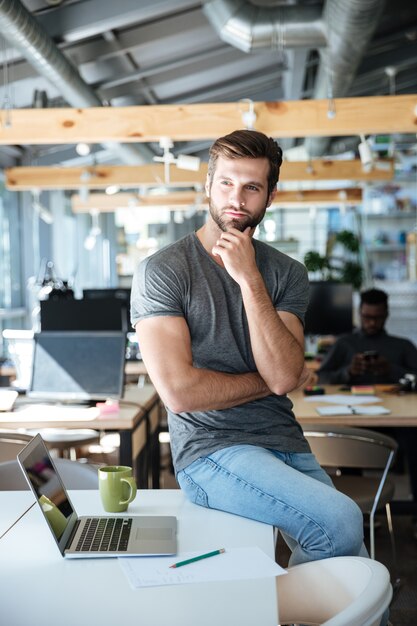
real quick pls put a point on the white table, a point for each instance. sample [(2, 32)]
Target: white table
[(137, 422), (40, 588), (12, 508)]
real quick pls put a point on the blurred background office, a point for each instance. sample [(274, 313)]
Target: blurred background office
[(76, 217), (60, 238)]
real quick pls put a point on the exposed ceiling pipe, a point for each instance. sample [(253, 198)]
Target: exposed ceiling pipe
[(349, 27), (249, 27), (24, 33), (341, 32)]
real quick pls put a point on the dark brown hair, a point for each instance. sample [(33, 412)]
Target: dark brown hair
[(247, 144)]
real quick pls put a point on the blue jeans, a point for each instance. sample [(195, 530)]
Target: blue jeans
[(287, 490)]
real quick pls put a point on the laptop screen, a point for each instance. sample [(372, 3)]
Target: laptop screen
[(78, 366), (48, 488)]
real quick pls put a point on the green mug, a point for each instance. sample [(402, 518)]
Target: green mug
[(117, 487)]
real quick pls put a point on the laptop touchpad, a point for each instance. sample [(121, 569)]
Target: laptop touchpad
[(151, 534)]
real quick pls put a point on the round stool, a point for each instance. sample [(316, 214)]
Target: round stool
[(66, 441)]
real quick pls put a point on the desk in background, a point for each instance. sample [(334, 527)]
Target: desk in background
[(403, 413), (137, 422), (40, 588), (403, 410)]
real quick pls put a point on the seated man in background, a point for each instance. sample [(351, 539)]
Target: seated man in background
[(368, 356)]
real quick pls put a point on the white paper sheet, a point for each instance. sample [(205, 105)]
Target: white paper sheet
[(339, 398), (233, 564), (340, 409), (49, 413)]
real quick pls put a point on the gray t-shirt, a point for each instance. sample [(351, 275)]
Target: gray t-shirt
[(183, 280)]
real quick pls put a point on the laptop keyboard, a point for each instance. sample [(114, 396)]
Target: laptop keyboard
[(110, 534)]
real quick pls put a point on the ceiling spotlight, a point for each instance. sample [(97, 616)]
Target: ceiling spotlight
[(83, 149), (249, 116), (187, 162), (366, 155), (182, 161), (112, 189)]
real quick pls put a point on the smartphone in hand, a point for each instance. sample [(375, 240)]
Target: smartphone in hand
[(370, 355)]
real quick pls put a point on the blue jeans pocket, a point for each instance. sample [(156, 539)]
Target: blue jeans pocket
[(193, 492)]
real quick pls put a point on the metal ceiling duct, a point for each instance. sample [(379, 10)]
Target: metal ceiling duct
[(25, 34), (342, 33), (249, 27), (349, 27)]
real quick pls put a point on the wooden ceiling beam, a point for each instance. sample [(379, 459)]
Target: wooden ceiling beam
[(132, 176), (104, 203), (175, 201), (191, 122), (319, 197)]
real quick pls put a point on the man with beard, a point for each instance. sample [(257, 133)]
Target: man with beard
[(369, 356), (219, 319)]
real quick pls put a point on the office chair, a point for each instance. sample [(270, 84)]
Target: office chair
[(12, 442), (339, 591), (345, 447), (75, 475), (66, 441)]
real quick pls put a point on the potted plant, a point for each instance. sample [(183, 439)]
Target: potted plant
[(341, 261)]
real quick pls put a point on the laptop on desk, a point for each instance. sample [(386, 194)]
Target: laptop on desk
[(81, 366), (91, 536)]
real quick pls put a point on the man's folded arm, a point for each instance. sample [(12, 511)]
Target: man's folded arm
[(165, 346)]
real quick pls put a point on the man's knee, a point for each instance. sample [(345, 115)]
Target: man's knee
[(348, 529)]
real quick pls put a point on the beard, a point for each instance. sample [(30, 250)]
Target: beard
[(225, 223)]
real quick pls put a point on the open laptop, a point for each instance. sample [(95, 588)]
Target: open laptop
[(91, 536), (78, 366)]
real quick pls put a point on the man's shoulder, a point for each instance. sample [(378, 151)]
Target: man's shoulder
[(400, 341), (170, 254)]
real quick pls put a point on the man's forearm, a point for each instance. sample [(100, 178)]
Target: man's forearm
[(278, 355), (204, 390)]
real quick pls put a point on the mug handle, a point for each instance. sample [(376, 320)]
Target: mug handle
[(132, 486)]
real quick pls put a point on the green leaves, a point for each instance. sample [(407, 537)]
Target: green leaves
[(338, 268)]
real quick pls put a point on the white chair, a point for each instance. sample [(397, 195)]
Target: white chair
[(66, 441), (340, 591), (75, 475)]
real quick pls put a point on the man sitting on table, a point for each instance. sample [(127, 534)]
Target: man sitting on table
[(370, 355), (219, 318)]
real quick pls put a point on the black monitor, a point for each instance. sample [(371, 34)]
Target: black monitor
[(78, 366), (105, 314), (119, 294), (330, 309)]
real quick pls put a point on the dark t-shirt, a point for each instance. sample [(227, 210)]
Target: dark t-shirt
[(183, 280), (400, 353)]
